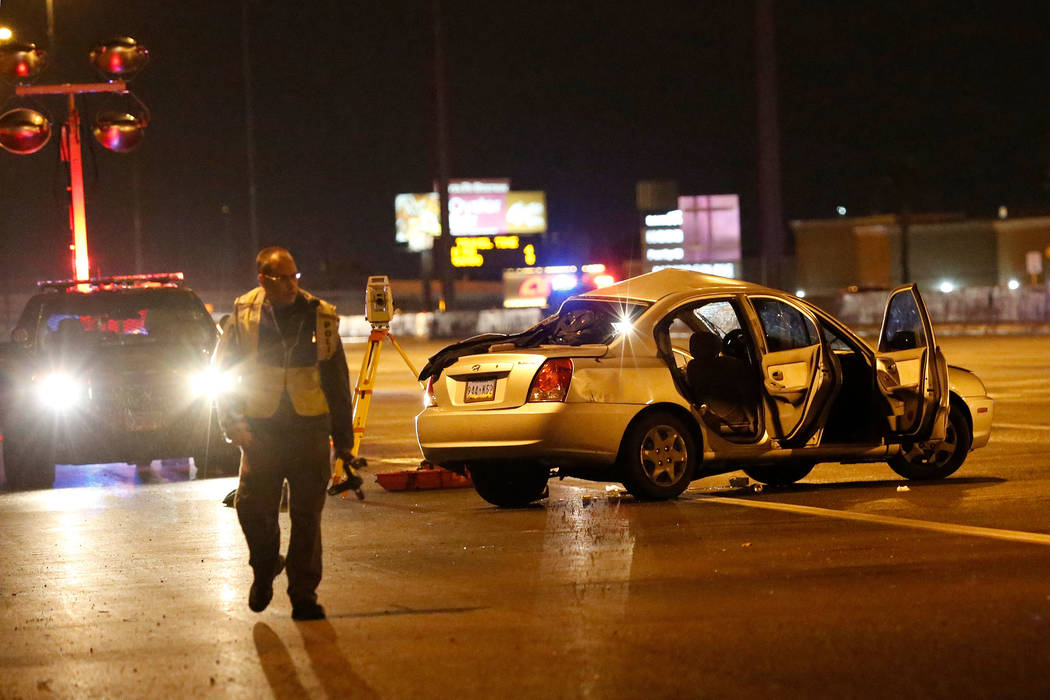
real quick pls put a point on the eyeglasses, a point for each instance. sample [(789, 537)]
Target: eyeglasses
[(282, 278)]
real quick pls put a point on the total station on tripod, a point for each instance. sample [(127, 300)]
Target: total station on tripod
[(379, 304)]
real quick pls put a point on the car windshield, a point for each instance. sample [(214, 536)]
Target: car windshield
[(585, 322), (123, 317)]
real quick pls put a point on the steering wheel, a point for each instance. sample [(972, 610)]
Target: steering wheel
[(735, 344)]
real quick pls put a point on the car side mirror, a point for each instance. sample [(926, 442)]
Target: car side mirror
[(903, 340)]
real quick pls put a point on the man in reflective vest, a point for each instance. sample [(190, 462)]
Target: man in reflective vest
[(291, 392)]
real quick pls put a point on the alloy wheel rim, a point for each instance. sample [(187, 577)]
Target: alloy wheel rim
[(935, 454), (663, 455)]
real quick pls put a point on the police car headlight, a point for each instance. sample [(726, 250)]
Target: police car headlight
[(60, 391), (210, 383)]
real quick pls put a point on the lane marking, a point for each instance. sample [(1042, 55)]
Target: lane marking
[(947, 528), (1021, 426)]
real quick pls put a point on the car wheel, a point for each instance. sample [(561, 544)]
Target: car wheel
[(926, 461), (780, 474), (26, 465), (509, 485), (658, 458)]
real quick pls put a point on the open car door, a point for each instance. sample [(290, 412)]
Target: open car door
[(800, 374), (910, 369)]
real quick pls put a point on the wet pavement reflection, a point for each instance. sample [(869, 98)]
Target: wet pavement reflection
[(159, 471)]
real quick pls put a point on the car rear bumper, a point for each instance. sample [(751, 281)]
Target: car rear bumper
[(561, 433)]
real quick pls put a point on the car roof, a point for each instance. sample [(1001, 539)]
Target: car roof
[(653, 286)]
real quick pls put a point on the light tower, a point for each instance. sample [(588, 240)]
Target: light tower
[(24, 129)]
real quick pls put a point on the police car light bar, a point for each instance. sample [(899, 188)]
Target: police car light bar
[(171, 279)]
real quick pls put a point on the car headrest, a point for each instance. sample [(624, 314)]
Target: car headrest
[(704, 345)]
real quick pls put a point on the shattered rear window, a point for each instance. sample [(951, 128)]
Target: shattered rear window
[(586, 322)]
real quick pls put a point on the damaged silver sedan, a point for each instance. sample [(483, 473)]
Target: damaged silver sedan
[(675, 375)]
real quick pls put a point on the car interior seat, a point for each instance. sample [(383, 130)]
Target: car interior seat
[(724, 387)]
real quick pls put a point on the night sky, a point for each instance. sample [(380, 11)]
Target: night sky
[(938, 106)]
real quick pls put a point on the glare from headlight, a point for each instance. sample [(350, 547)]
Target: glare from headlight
[(59, 391), (211, 383)]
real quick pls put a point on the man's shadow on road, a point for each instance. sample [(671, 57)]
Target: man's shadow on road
[(329, 664)]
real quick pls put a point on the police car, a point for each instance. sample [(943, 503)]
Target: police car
[(112, 369)]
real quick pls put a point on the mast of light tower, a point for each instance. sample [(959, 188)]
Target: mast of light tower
[(24, 130)]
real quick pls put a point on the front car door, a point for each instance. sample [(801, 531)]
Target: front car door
[(910, 369), (799, 373)]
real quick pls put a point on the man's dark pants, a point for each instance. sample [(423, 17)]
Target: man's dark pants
[(300, 454)]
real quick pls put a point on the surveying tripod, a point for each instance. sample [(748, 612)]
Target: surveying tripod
[(378, 312)]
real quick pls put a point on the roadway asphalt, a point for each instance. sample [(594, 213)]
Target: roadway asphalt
[(840, 586)]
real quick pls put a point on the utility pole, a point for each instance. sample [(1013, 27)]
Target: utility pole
[(50, 25), (770, 211), (249, 135), (443, 249)]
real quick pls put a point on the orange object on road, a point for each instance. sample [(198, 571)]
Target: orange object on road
[(426, 476)]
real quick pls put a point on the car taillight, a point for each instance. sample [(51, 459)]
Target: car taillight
[(551, 383), (429, 396)]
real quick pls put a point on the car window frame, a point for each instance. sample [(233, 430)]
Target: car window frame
[(759, 331)]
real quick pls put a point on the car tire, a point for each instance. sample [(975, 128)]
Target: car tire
[(940, 460), (26, 465), (658, 457), (509, 485), (782, 474)]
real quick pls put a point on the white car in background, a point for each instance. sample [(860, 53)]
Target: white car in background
[(676, 375)]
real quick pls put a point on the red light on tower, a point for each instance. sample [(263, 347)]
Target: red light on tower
[(119, 131), (119, 58), (24, 131), (21, 63)]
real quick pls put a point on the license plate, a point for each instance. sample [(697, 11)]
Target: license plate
[(480, 390)]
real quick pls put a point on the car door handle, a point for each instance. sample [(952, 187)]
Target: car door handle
[(777, 375)]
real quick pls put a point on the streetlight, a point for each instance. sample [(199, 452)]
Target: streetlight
[(24, 130)]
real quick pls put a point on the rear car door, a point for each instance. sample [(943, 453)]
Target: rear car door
[(910, 369), (799, 373)]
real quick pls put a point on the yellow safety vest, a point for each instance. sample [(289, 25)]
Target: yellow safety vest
[(260, 386)]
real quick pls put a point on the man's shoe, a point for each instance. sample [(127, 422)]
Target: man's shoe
[(307, 611), (261, 592)]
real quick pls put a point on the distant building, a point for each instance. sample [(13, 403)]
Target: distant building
[(943, 249)]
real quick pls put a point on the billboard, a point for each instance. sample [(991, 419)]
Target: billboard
[(475, 208)]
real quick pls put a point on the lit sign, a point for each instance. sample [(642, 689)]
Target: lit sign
[(533, 286), (663, 236), (495, 186), (476, 213), (703, 232), (526, 212), (671, 218), (475, 207), (466, 249), (665, 254)]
